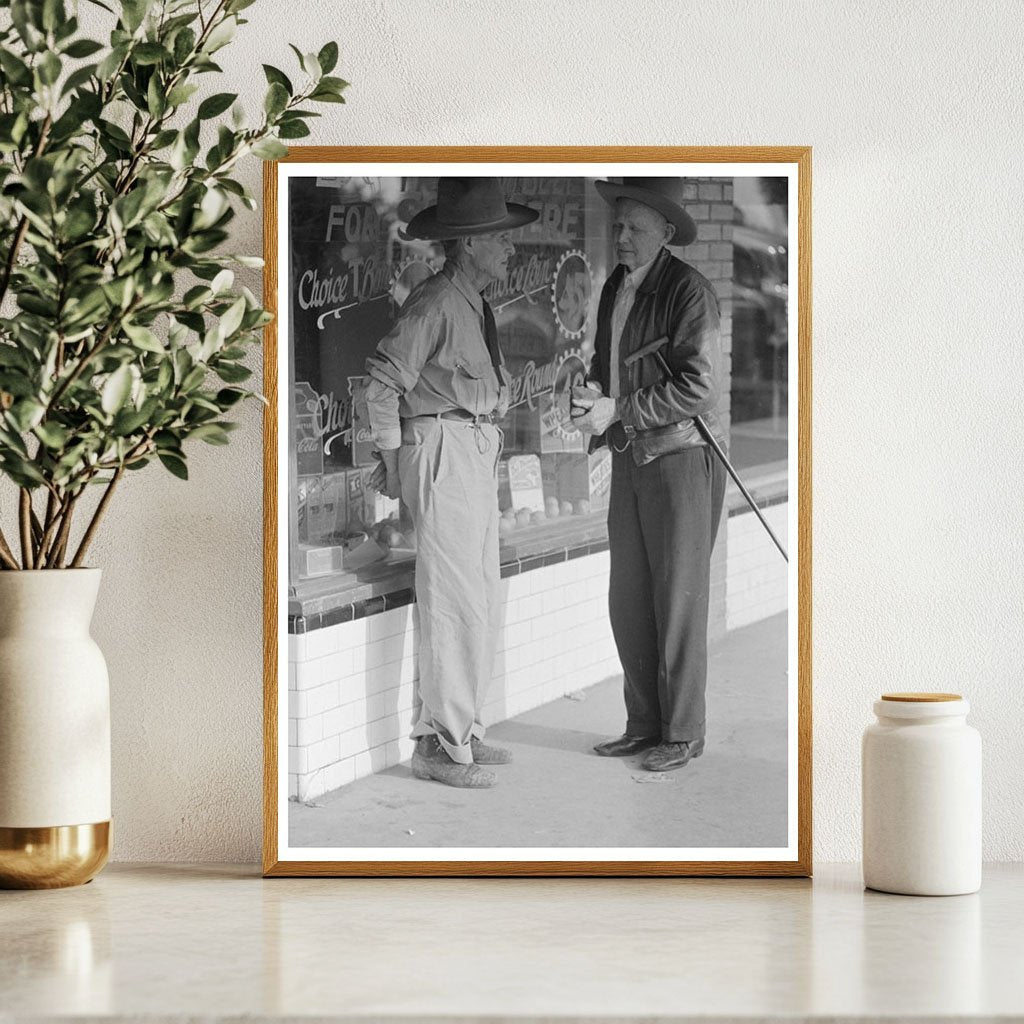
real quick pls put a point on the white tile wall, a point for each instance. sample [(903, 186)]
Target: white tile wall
[(352, 697), (352, 686), (756, 580)]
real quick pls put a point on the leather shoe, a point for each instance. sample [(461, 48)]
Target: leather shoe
[(483, 753), (625, 745), (667, 756), (431, 761)]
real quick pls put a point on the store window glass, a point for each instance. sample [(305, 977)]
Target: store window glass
[(352, 267), (760, 350)]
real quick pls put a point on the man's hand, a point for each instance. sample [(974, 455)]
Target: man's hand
[(593, 413), (384, 477)]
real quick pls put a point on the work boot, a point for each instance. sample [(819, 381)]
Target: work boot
[(485, 754), (431, 761)]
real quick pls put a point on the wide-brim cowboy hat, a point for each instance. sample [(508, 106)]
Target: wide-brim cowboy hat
[(662, 194), (468, 206)]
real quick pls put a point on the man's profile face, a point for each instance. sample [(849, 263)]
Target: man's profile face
[(491, 253), (638, 232)]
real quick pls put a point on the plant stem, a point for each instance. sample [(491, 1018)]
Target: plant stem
[(56, 555), (85, 359), (54, 506), (6, 554), (97, 516), (25, 521)]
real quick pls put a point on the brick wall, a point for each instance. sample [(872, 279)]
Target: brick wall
[(351, 697)]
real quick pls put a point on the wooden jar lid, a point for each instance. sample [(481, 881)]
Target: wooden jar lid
[(921, 698)]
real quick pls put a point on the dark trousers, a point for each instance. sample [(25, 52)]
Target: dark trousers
[(662, 523)]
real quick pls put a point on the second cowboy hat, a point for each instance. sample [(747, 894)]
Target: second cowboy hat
[(468, 206), (662, 194)]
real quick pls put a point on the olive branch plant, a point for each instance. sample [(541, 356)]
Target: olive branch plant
[(122, 333)]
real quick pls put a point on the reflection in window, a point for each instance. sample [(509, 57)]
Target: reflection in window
[(760, 349)]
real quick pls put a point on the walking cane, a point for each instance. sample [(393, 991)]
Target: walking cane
[(654, 348)]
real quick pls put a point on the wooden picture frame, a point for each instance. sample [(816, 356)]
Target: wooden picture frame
[(717, 164)]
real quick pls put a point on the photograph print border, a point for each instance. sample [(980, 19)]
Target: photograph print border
[(274, 690)]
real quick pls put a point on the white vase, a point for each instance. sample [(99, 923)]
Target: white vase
[(54, 731), (921, 774)]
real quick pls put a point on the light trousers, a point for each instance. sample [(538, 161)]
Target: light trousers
[(448, 475)]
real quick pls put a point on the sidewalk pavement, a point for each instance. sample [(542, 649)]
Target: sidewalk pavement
[(558, 793)]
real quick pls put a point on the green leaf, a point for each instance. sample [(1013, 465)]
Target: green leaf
[(232, 319), (28, 25), (221, 35), (193, 379), (14, 68), (311, 65), (49, 68), (214, 105), (232, 373), (211, 433), (26, 414), (292, 130), (134, 12), (53, 435), (77, 79), (174, 464), (222, 281), (328, 57), (269, 149), (276, 100), (279, 77), (324, 96), (181, 94), (83, 48), (227, 397), (128, 421), (116, 390), (149, 53), (144, 338), (334, 84), (184, 44), (53, 14), (109, 65)]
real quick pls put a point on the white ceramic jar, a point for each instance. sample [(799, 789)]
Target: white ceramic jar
[(921, 777)]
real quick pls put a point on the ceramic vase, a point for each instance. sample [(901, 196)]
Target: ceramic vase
[(54, 731)]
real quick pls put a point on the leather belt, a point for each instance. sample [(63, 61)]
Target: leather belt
[(462, 416)]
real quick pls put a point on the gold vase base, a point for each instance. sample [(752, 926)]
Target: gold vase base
[(54, 857)]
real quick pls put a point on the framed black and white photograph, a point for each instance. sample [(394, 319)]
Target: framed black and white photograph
[(537, 512)]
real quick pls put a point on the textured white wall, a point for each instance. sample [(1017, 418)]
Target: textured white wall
[(913, 110)]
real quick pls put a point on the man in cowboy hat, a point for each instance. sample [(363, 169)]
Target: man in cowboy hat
[(437, 388), (667, 488)]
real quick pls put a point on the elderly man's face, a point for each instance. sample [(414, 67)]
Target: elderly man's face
[(490, 254), (639, 232)]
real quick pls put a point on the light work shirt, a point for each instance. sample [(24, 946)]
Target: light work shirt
[(624, 300), (433, 360)]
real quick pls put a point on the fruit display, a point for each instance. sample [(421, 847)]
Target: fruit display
[(512, 519)]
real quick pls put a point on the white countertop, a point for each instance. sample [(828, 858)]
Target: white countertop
[(179, 941)]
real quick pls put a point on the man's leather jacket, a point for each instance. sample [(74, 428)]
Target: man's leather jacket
[(676, 303)]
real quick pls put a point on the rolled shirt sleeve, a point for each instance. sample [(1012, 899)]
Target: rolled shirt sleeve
[(394, 370)]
